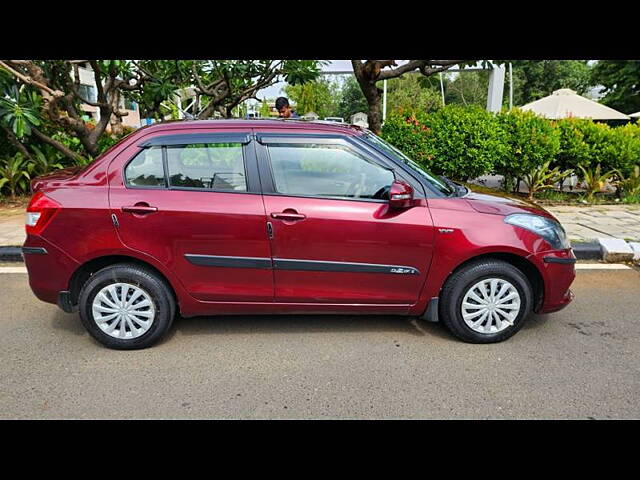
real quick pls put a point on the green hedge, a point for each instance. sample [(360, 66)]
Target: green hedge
[(464, 143)]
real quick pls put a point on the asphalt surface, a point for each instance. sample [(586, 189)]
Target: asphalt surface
[(583, 362)]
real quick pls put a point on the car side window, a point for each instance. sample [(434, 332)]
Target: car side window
[(215, 166), (146, 169), (327, 170)]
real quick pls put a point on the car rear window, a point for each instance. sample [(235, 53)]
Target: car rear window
[(146, 169)]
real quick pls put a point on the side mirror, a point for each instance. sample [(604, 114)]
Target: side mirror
[(400, 194)]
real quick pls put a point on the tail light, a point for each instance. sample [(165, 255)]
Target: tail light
[(40, 211)]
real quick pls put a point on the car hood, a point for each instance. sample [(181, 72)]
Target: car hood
[(503, 205)]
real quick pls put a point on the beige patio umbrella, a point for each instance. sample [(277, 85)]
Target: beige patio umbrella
[(565, 103)]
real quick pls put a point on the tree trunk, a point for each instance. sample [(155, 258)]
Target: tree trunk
[(208, 111), (517, 186), (373, 96)]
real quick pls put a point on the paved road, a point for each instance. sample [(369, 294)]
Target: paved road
[(583, 362)]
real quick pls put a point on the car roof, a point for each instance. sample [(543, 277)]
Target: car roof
[(258, 123)]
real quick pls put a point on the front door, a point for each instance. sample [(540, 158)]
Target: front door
[(334, 238), (192, 204)]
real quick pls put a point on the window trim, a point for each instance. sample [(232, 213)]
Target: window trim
[(191, 138), (372, 155), (325, 197), (145, 187), (165, 157), (249, 160)]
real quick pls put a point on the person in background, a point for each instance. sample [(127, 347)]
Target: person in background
[(284, 109)]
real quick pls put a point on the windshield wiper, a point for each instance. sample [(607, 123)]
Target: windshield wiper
[(457, 190)]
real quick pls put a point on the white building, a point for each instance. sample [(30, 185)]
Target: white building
[(89, 91)]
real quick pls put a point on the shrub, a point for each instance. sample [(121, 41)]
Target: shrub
[(631, 185), (465, 142), (573, 148), (460, 143), (612, 148), (15, 174), (626, 148), (532, 141), (406, 132), (542, 177), (594, 180)]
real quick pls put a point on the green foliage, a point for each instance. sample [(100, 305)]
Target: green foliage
[(620, 79), (460, 143), (265, 111), (15, 173), (410, 94), (574, 149), (531, 140), (464, 143), (469, 88), (319, 96), (613, 148), (543, 177), (594, 180), (17, 110), (351, 100), (630, 185), (16, 170), (534, 79), (43, 164), (223, 83)]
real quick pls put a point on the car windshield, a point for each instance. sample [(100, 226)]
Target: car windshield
[(389, 149)]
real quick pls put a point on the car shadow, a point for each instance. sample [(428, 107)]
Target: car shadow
[(69, 322), (283, 324), (535, 320), (310, 324)]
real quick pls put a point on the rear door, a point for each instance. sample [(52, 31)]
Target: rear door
[(193, 202), (334, 238)]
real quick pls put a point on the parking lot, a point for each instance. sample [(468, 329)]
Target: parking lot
[(583, 362)]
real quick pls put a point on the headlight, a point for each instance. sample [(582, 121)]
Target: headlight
[(547, 228)]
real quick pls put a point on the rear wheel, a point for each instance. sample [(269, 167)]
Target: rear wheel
[(486, 301), (126, 307)]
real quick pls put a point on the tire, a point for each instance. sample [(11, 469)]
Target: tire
[(468, 284), (148, 318)]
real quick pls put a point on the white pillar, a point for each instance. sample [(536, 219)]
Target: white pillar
[(384, 101), (177, 99), (496, 88), (442, 88)]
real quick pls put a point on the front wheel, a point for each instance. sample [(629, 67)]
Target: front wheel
[(486, 301), (126, 307)]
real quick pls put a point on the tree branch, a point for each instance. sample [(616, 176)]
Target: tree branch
[(15, 142), (28, 80), (55, 144)]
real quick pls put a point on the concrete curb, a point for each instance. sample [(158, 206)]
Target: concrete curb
[(11, 254), (587, 250)]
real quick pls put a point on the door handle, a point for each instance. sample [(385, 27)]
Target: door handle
[(289, 216), (139, 209)]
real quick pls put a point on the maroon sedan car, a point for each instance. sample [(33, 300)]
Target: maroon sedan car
[(283, 217)]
